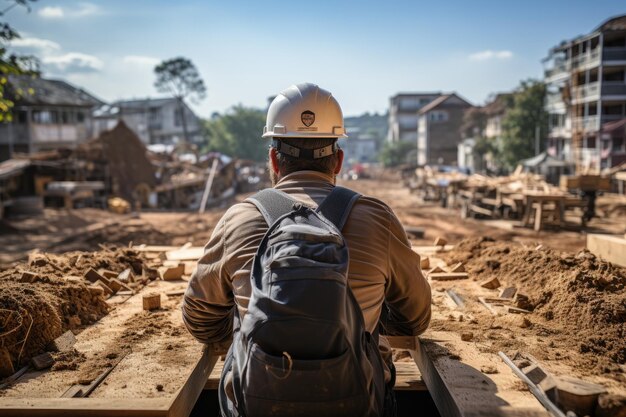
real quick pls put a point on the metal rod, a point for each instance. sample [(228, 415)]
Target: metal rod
[(534, 389)]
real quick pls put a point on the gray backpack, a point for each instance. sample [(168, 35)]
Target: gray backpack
[(302, 348)]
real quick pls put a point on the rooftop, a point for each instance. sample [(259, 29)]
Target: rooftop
[(50, 92)]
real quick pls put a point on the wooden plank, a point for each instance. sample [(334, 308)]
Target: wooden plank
[(188, 254), (608, 247), (460, 389), (403, 342), (82, 407), (447, 276), (187, 396), (408, 377)]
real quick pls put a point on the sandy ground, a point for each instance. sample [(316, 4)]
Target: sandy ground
[(86, 229), (60, 231)]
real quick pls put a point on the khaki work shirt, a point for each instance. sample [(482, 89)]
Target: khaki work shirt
[(383, 268)]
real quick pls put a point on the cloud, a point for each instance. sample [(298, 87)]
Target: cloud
[(86, 9), (83, 10), (44, 45), (489, 54), (74, 62), (51, 12), (141, 61)]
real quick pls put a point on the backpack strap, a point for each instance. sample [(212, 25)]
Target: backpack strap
[(272, 204), (337, 205)]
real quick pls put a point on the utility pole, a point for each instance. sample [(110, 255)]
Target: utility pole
[(537, 144)]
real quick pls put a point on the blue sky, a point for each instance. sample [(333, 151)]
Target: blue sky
[(362, 51)]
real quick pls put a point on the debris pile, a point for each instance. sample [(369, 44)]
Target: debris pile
[(580, 295), (51, 294)]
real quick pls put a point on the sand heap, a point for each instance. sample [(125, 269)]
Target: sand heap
[(580, 295), (54, 299)]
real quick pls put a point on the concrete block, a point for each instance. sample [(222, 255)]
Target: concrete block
[(491, 283), (63, 343), (151, 301), (173, 274), (28, 276), (43, 361)]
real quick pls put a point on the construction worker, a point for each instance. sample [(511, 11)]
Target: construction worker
[(304, 123)]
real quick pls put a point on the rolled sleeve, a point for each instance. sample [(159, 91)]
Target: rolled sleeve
[(209, 301)]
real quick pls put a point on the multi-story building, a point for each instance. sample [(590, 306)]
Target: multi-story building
[(439, 130), (155, 121), (586, 82), (493, 112), (403, 116), (48, 114)]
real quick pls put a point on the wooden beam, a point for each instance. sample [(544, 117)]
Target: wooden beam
[(460, 389), (187, 396), (82, 407), (608, 247)]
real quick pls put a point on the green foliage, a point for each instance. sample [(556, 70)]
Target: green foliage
[(238, 133), (521, 122), (12, 64), (397, 153), (474, 122), (180, 78)]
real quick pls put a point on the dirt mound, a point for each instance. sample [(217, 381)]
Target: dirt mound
[(55, 299), (580, 295)]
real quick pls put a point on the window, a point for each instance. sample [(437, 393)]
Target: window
[(65, 117), (438, 116), (80, 117), (45, 116), (178, 117), (22, 117)]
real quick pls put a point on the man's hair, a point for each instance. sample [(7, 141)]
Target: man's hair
[(288, 164)]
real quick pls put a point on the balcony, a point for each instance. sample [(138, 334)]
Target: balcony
[(554, 100), (586, 124), (562, 132), (58, 133), (586, 92), (614, 54), (588, 60), (613, 88)]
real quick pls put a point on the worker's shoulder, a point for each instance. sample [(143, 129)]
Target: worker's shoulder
[(367, 206), (240, 210)]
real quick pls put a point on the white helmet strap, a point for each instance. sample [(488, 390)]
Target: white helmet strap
[(300, 153)]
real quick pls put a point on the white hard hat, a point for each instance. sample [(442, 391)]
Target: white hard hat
[(302, 111)]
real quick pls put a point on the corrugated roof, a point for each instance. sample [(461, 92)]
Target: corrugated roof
[(50, 92), (12, 167)]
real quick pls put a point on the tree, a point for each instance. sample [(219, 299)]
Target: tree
[(238, 133), (180, 78), (397, 153), (524, 120), (12, 64)]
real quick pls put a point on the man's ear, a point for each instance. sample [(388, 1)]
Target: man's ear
[(339, 161), (274, 160)]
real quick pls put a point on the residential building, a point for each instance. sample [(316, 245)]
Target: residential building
[(48, 114), (155, 121), (586, 82), (403, 108), (495, 110), (439, 130)]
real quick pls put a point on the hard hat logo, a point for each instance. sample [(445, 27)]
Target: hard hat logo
[(307, 117)]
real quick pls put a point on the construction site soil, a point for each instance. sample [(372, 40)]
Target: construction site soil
[(46, 296), (577, 298), (577, 302)]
